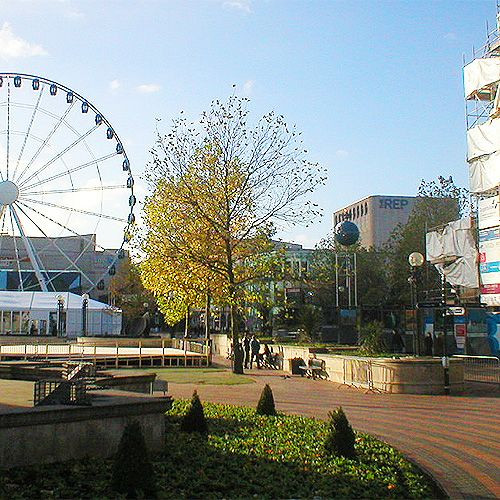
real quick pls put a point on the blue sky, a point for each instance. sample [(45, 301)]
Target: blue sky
[(375, 86)]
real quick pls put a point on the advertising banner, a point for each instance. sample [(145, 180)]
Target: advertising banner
[(490, 294), (489, 212), (489, 256)]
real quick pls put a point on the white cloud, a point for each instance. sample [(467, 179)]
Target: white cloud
[(243, 5), (12, 46), (248, 87), (147, 88), (341, 153), (450, 36), (307, 241), (114, 84), (74, 14)]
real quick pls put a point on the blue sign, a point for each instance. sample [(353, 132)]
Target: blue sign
[(489, 267), (489, 234)]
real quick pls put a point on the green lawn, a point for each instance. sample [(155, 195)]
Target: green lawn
[(208, 376)]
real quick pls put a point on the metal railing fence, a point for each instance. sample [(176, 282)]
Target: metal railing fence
[(481, 368)]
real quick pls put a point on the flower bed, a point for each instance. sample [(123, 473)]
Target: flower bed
[(245, 455)]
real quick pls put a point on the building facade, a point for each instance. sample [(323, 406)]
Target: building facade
[(376, 217), (72, 264)]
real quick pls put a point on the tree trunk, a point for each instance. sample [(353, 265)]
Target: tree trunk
[(207, 316), (237, 350), (186, 328)]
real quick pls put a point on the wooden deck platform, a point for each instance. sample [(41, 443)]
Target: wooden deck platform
[(106, 356)]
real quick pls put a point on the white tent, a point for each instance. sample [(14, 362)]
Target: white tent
[(37, 313)]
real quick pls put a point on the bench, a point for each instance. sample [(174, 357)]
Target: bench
[(314, 369)]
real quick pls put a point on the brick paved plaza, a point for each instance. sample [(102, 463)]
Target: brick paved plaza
[(455, 437)]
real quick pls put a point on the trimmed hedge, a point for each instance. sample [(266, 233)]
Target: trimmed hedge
[(340, 439), (194, 419), (265, 406), (133, 474)]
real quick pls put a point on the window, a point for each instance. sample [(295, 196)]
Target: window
[(366, 208)]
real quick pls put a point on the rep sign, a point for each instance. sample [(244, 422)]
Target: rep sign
[(393, 203)]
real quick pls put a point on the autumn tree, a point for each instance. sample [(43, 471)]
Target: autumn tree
[(225, 186), (176, 278), (128, 292)]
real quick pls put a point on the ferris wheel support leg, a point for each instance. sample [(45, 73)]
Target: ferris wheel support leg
[(31, 252)]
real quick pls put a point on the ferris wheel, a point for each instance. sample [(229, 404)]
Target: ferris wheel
[(66, 189)]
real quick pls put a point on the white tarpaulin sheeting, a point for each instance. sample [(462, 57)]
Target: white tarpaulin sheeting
[(483, 139), (481, 73), (484, 173), (489, 212), (452, 250)]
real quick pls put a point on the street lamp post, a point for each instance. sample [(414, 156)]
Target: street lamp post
[(416, 260), (85, 305), (445, 359), (60, 315)]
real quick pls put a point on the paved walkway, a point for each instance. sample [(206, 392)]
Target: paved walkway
[(455, 438)]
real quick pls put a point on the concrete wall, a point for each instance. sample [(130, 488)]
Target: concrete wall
[(220, 344), (47, 435), (403, 375)]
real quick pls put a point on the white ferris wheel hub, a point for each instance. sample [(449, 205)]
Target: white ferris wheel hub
[(9, 193)]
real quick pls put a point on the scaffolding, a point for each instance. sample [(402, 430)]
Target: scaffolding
[(482, 108)]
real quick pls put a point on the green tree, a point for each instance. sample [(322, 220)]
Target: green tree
[(228, 185), (438, 203), (326, 268)]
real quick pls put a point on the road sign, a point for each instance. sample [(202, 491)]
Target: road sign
[(428, 305), (455, 311)]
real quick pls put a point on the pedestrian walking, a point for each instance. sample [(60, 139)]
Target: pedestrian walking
[(428, 344), (246, 349), (398, 345), (255, 347)]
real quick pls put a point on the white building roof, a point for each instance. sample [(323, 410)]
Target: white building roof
[(25, 301)]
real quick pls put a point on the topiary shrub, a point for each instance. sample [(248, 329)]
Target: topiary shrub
[(340, 438), (372, 338), (194, 420), (133, 473), (265, 405)]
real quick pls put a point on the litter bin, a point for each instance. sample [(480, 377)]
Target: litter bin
[(294, 365)]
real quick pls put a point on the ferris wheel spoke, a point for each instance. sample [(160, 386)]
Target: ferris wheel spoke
[(3, 218), (58, 155), (70, 171), (8, 131), (59, 249), (63, 226), (75, 190), (45, 141), (30, 250), (21, 284), (28, 131), (72, 209)]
